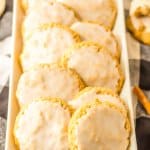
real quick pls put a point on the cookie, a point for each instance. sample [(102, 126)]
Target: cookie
[(140, 8), (95, 65), (99, 126), (47, 44), (139, 21), (43, 125), (101, 11), (140, 28), (89, 94), (48, 13), (48, 81), (89, 31)]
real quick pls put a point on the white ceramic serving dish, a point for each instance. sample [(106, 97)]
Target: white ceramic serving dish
[(119, 30)]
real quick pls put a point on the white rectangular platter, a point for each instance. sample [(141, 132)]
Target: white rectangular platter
[(119, 31)]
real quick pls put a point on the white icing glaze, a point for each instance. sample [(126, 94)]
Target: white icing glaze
[(92, 95), (46, 82), (30, 5), (97, 33), (102, 128), (95, 68), (140, 8), (104, 10), (46, 46), (48, 13), (43, 126)]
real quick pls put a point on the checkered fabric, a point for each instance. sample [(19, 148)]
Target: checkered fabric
[(5, 56), (139, 60)]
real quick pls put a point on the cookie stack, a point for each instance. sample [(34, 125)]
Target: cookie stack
[(139, 20), (69, 90)]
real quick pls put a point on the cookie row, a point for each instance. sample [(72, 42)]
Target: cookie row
[(101, 122), (47, 50), (67, 47), (85, 64), (95, 60)]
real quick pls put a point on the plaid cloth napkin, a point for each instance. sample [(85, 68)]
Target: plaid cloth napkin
[(139, 59)]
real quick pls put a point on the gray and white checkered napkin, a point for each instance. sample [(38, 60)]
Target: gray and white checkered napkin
[(139, 60)]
